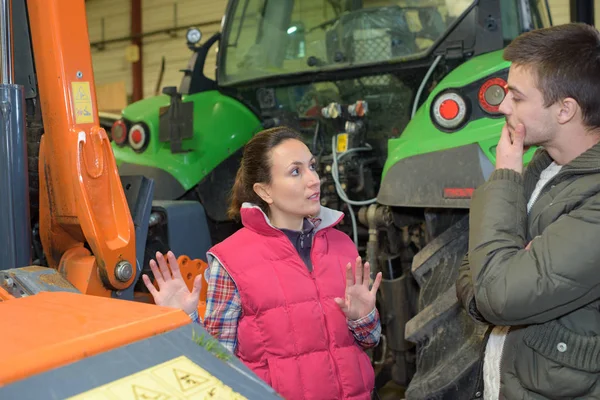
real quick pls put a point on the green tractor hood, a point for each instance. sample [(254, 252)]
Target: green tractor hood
[(220, 126)]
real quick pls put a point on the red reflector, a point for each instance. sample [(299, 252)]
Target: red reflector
[(449, 109), (136, 136), (118, 132), (458, 193), (491, 94)]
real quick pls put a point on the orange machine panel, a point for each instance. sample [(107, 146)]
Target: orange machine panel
[(52, 329), (189, 270), (81, 197)]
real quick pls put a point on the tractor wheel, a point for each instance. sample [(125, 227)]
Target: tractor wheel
[(448, 342)]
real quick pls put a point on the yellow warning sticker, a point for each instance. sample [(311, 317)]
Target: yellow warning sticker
[(82, 103), (342, 142), (179, 378)]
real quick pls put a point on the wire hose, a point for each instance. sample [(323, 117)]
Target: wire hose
[(422, 86), (340, 191)]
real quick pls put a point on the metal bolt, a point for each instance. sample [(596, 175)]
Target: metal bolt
[(79, 74), (123, 271), (155, 218), (562, 347)]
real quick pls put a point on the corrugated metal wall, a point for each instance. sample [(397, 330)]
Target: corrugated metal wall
[(110, 63), (112, 67)]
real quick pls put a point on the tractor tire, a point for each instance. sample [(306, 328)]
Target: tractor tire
[(449, 343)]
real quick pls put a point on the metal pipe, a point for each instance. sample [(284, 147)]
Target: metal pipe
[(15, 228), (137, 69), (162, 31), (6, 42)]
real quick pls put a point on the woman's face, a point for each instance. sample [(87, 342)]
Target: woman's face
[(294, 191)]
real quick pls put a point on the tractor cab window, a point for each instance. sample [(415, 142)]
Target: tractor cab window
[(280, 37), (519, 16)]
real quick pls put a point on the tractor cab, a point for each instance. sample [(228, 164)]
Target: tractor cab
[(357, 68), (267, 39)]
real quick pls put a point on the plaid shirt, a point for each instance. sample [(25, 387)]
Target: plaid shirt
[(224, 308)]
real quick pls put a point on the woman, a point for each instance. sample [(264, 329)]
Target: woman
[(287, 293)]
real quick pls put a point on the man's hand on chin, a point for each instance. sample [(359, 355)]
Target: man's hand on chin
[(510, 149)]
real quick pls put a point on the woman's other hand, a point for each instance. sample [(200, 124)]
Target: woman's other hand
[(359, 300), (172, 290)]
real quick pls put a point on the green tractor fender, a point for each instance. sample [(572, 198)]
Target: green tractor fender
[(438, 162), (213, 127)]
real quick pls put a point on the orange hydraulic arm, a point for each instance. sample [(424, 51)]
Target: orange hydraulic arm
[(81, 197)]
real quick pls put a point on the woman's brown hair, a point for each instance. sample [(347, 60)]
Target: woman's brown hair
[(255, 167)]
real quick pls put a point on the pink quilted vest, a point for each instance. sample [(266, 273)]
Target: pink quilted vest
[(292, 334)]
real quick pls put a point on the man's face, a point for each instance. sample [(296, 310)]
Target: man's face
[(524, 104)]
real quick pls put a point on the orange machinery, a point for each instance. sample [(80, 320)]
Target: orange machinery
[(73, 327)]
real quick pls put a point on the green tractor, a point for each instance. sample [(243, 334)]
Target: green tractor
[(399, 102)]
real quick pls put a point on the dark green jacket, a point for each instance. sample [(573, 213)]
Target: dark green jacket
[(549, 294)]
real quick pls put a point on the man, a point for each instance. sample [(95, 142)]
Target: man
[(533, 267)]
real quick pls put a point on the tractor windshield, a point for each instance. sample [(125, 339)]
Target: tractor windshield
[(280, 37)]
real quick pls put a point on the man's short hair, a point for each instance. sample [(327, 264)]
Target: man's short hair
[(565, 60)]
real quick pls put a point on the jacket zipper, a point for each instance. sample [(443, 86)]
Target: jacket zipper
[(551, 182), (500, 362), (312, 275), (542, 191)]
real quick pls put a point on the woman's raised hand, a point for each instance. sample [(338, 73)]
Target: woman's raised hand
[(172, 290), (359, 300)]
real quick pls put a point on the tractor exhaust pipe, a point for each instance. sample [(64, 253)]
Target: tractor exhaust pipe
[(15, 226)]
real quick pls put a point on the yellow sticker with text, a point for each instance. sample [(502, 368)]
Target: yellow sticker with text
[(342, 142), (179, 378), (82, 103)]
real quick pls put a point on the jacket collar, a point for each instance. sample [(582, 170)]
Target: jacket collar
[(589, 159), (255, 219)]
